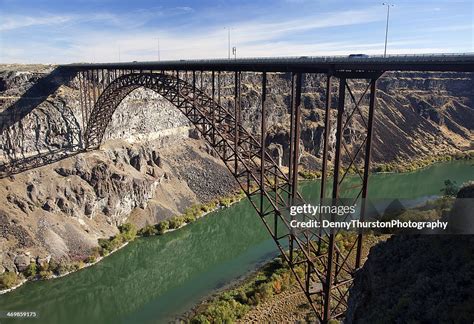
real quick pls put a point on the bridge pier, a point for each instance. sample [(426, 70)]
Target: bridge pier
[(328, 270)]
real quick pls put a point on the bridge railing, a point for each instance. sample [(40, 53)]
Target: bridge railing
[(395, 58)]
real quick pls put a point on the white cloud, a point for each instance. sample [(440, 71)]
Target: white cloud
[(16, 21), (256, 37)]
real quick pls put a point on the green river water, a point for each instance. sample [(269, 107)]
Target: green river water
[(152, 280)]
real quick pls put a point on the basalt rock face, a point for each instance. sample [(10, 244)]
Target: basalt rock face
[(409, 279), (152, 166), (60, 210), (419, 278), (418, 114)]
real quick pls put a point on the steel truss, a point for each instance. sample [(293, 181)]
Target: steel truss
[(328, 269)]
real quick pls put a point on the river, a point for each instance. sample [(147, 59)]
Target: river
[(152, 280)]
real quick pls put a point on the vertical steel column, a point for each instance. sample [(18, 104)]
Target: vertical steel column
[(219, 88), (296, 110), (194, 86), (368, 147), (327, 131), (103, 81), (335, 196), (296, 137), (94, 88), (213, 112), (88, 94), (292, 132), (237, 117), (262, 142), (177, 85), (201, 82), (81, 103)]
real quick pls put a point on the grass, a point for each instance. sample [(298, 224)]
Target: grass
[(229, 306)]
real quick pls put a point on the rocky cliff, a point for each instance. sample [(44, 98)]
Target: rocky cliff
[(153, 165), (419, 278)]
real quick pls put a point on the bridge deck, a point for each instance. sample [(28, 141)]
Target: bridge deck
[(307, 64)]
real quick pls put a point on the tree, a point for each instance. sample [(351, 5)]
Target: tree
[(450, 188)]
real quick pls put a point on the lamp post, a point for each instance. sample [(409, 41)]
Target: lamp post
[(228, 41), (158, 49), (386, 28)]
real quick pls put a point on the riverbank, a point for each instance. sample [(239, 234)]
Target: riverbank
[(272, 294), (399, 166), (269, 294), (10, 281), (106, 246), (158, 278)]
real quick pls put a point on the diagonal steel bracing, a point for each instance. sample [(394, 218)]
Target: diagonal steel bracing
[(328, 270)]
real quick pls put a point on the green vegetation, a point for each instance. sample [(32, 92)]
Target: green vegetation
[(397, 166), (231, 305), (176, 222), (309, 175), (31, 271), (128, 232), (9, 280), (162, 227), (450, 189), (148, 230)]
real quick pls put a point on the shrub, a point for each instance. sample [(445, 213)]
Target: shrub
[(200, 319), (117, 241), (148, 230), (94, 255), (45, 274), (77, 265), (60, 268), (105, 244), (176, 222), (31, 270), (309, 175), (450, 188), (264, 291), (189, 218), (8, 280), (163, 226), (128, 231), (225, 201)]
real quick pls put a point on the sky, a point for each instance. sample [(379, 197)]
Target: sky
[(65, 31)]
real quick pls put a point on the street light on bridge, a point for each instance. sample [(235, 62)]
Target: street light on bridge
[(386, 28), (228, 41)]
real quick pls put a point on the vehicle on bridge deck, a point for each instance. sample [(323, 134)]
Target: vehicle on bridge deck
[(358, 56)]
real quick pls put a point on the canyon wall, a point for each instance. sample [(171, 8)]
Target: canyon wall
[(153, 165)]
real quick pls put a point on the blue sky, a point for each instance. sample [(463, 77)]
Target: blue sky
[(61, 31)]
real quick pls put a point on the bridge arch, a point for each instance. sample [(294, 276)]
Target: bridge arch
[(246, 158), (105, 106)]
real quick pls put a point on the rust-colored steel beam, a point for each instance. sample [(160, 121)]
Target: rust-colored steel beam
[(335, 197), (368, 148), (327, 132), (251, 164), (263, 136)]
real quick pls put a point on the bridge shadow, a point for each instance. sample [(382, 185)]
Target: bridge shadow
[(28, 163), (13, 131), (34, 96)]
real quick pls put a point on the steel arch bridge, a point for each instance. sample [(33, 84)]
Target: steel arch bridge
[(194, 87), (328, 271)]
